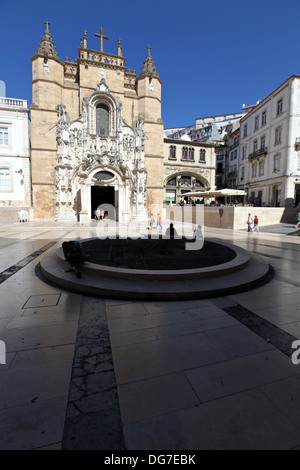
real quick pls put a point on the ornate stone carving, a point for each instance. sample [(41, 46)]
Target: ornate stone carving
[(80, 151)]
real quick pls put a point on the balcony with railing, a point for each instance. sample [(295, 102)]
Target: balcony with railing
[(13, 103), (234, 145), (232, 173), (258, 153)]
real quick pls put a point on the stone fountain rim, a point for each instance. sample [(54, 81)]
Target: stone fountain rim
[(238, 262)]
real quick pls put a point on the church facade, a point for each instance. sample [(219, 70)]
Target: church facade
[(96, 135)]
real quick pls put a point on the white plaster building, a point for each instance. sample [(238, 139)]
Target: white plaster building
[(15, 172), (269, 153)]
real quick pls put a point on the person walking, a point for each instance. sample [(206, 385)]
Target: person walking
[(158, 223), (152, 222), (249, 222), (255, 224)]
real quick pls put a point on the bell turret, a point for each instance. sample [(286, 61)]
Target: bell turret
[(47, 48), (149, 68)]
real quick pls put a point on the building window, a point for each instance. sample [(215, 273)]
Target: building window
[(102, 119), (5, 183), (278, 135), (261, 167), (263, 143), (242, 173), (254, 170), (198, 184), (202, 155), (3, 135), (279, 106), (256, 123), (185, 181), (244, 152), (276, 167), (255, 145), (264, 118), (245, 130), (172, 151), (235, 154), (172, 182), (184, 155), (231, 155), (191, 154), (171, 195)]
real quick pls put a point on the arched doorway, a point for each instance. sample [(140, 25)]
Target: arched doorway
[(102, 196), (177, 185)]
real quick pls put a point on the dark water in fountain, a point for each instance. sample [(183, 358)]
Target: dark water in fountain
[(156, 254)]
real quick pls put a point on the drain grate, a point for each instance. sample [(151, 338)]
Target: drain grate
[(47, 300)]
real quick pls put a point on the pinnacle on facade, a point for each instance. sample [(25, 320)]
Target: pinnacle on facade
[(47, 48), (149, 66)]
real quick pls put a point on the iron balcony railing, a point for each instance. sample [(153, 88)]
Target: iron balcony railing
[(257, 153)]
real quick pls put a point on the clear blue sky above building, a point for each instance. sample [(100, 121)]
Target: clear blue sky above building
[(212, 56)]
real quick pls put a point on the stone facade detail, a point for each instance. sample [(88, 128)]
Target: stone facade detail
[(82, 155), (69, 148)]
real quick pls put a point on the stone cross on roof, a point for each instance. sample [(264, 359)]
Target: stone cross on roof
[(101, 36), (47, 48)]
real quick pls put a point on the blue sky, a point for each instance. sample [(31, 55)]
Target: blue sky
[(212, 56)]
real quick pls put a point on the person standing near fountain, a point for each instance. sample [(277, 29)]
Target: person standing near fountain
[(255, 228), (198, 232), (249, 222), (171, 232)]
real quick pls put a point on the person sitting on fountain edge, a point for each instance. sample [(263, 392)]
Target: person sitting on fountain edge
[(198, 232), (73, 253)]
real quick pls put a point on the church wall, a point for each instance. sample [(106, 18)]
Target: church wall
[(90, 77), (47, 86), (43, 129), (70, 99), (129, 109), (43, 171), (44, 200), (51, 70), (43, 183)]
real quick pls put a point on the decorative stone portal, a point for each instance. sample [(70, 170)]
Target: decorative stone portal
[(96, 164)]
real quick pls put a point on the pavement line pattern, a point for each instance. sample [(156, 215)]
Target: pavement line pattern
[(22, 239), (279, 338), (23, 262), (93, 420), (7, 273)]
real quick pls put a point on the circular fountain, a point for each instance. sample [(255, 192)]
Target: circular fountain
[(159, 268)]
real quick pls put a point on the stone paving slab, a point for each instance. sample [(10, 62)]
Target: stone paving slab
[(243, 421)]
